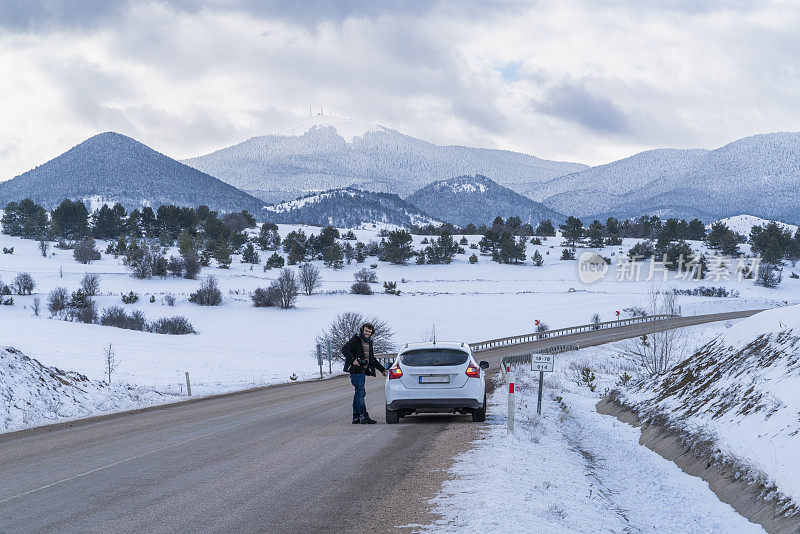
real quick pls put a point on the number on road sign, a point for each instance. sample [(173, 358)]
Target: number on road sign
[(542, 362)]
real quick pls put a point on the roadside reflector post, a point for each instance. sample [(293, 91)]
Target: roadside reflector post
[(511, 404), (319, 358), (330, 365), (188, 385)]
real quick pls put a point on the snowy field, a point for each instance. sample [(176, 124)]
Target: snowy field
[(572, 469), (239, 346)]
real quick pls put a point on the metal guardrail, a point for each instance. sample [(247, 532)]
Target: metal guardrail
[(387, 359), (546, 334)]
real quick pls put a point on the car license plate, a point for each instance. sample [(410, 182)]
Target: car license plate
[(436, 379)]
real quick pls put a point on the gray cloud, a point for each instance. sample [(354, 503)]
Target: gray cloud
[(38, 15), (552, 78), (573, 101)]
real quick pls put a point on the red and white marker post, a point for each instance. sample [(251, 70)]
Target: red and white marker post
[(511, 404)]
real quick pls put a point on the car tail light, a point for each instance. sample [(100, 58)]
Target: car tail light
[(395, 372), (473, 371)]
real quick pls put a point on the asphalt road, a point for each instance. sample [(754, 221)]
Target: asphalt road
[(280, 459)]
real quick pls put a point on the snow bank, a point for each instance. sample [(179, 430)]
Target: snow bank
[(739, 395), (572, 469), (35, 394)]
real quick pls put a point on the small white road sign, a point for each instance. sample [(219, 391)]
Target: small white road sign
[(542, 362)]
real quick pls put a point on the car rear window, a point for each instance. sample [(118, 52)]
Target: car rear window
[(429, 357)]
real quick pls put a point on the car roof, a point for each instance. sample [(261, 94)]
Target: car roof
[(436, 345)]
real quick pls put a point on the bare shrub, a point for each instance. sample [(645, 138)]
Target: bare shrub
[(85, 251), (265, 297), (175, 265), (90, 284), (361, 288), (208, 294), (57, 300), (24, 284), (365, 275), (169, 298), (658, 351), (118, 317), (176, 326), (348, 323), (310, 278), (37, 306)]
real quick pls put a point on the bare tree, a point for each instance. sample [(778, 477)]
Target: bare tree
[(110, 361), (44, 246), (90, 284), (37, 306), (365, 275), (24, 284), (348, 323), (286, 288), (658, 351), (310, 278)]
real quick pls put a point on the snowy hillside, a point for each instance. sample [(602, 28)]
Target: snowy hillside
[(758, 175), (739, 394), (477, 199), (742, 224), (325, 152), (350, 208), (117, 168)]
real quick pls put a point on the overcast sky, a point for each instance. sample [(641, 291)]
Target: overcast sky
[(588, 81)]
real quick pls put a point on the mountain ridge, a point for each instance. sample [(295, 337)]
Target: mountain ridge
[(477, 199), (333, 152), (121, 169)]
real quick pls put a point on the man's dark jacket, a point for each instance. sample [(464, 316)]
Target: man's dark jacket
[(354, 349)]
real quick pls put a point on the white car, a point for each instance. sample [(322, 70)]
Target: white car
[(436, 377)]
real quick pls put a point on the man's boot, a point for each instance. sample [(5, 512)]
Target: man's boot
[(356, 419), (365, 420)]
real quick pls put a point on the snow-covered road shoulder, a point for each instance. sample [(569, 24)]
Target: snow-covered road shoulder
[(734, 403), (572, 470)]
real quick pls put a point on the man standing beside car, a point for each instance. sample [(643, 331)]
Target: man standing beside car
[(359, 361)]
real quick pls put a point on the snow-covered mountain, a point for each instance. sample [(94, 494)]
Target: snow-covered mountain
[(348, 208), (477, 199), (758, 175), (117, 168), (325, 152), (742, 224)]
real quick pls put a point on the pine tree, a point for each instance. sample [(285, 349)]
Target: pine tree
[(595, 234), (222, 253), (572, 230), (250, 255), (441, 250), (545, 228), (333, 256), (397, 248), (537, 259)]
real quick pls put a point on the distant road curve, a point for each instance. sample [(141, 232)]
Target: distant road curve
[(278, 459)]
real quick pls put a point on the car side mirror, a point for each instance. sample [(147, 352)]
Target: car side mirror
[(484, 364)]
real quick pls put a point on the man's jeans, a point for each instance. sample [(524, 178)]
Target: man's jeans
[(359, 406)]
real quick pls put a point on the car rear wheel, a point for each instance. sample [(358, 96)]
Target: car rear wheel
[(479, 414), (392, 417)]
